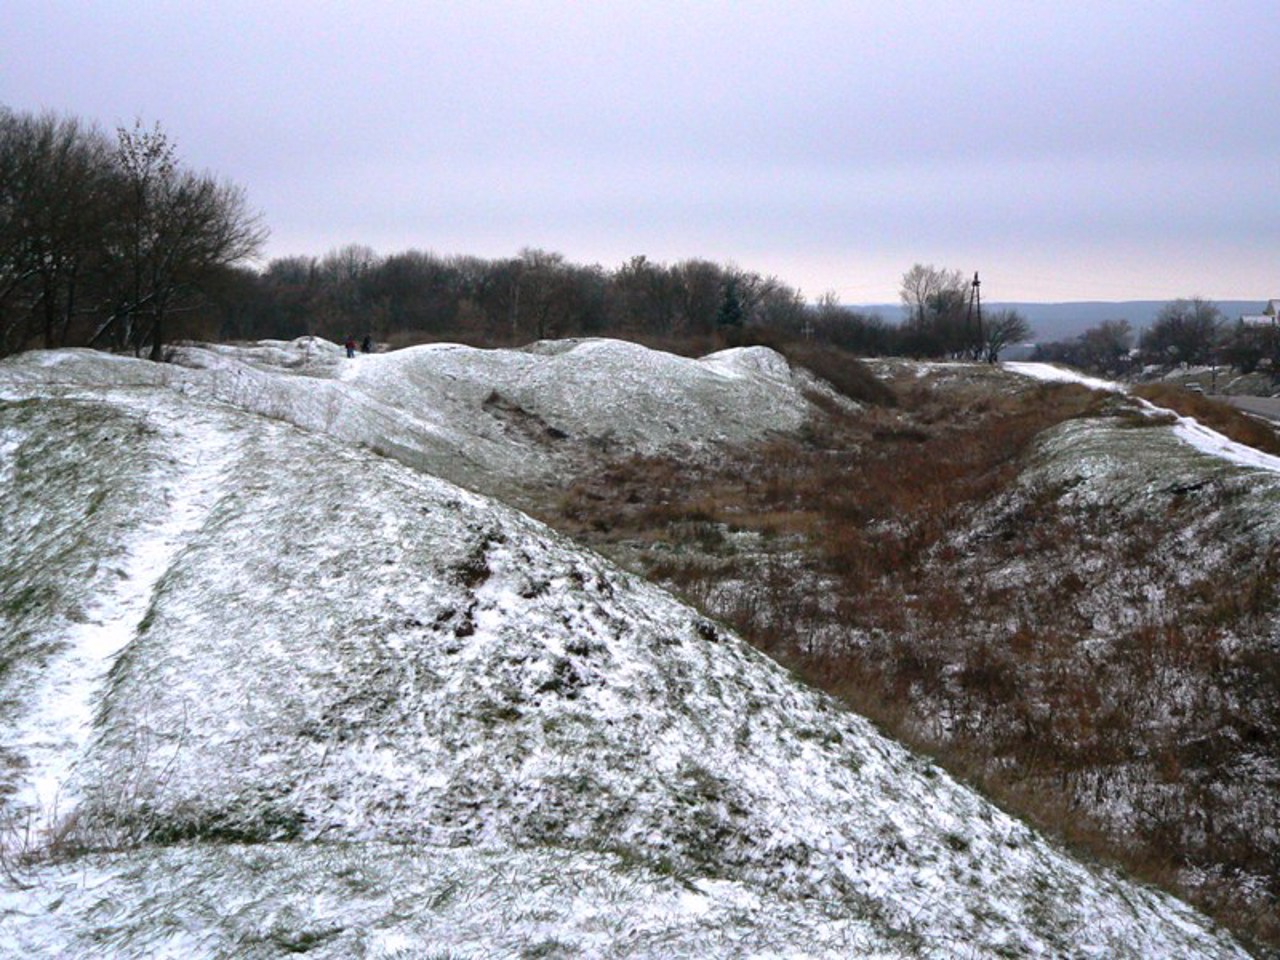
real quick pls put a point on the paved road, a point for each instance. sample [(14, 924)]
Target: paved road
[(1268, 407)]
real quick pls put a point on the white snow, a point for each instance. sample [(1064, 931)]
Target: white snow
[(488, 419), (1192, 432), (56, 726), (1055, 374), (1187, 429)]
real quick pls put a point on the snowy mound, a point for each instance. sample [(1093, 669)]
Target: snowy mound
[(421, 718), (603, 390), (492, 420)]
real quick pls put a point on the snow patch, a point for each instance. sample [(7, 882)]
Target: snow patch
[(57, 724), (1055, 374), (1186, 429)]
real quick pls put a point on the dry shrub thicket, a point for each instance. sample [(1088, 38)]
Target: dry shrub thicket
[(1148, 741)]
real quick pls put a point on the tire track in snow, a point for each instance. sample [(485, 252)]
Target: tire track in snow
[(58, 726)]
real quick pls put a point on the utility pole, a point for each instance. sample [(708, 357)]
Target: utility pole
[(975, 310)]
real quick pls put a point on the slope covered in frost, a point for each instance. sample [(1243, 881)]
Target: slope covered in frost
[(344, 706), (499, 421), (1186, 429)]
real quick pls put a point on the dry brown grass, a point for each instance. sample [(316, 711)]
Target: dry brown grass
[(863, 504), (846, 373)]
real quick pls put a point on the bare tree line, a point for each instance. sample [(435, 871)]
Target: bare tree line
[(111, 242), (538, 294), (105, 242)]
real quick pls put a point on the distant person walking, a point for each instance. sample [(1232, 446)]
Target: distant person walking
[(366, 345), (351, 346)]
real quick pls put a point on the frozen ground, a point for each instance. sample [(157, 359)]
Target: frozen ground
[(499, 421), (345, 706)]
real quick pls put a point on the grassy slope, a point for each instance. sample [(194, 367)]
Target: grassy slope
[(345, 652), (1079, 617), (72, 449)]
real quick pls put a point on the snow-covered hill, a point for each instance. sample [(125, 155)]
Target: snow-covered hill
[(499, 421), (265, 691)]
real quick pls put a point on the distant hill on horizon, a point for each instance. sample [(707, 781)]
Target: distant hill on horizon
[(1062, 321)]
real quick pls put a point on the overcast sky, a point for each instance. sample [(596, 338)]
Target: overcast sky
[(1068, 151)]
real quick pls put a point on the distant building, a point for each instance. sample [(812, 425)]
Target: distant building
[(1266, 317)]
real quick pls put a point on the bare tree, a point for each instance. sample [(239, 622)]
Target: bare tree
[(174, 228), (923, 285), (1184, 331), (781, 308), (698, 286), (54, 194), (1247, 346), (1001, 328), (540, 293), (644, 296), (418, 290), (1105, 347), (936, 305)]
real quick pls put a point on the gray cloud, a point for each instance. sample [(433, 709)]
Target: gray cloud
[(1069, 150)]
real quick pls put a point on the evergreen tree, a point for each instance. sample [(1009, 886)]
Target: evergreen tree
[(730, 313)]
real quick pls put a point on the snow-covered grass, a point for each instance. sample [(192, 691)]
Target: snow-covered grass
[(356, 708), (56, 721), (1187, 429), (393, 900), (500, 421), (1089, 635)]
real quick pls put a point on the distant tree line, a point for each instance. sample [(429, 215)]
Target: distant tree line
[(108, 242), (537, 294), (1105, 349), (1186, 332)]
